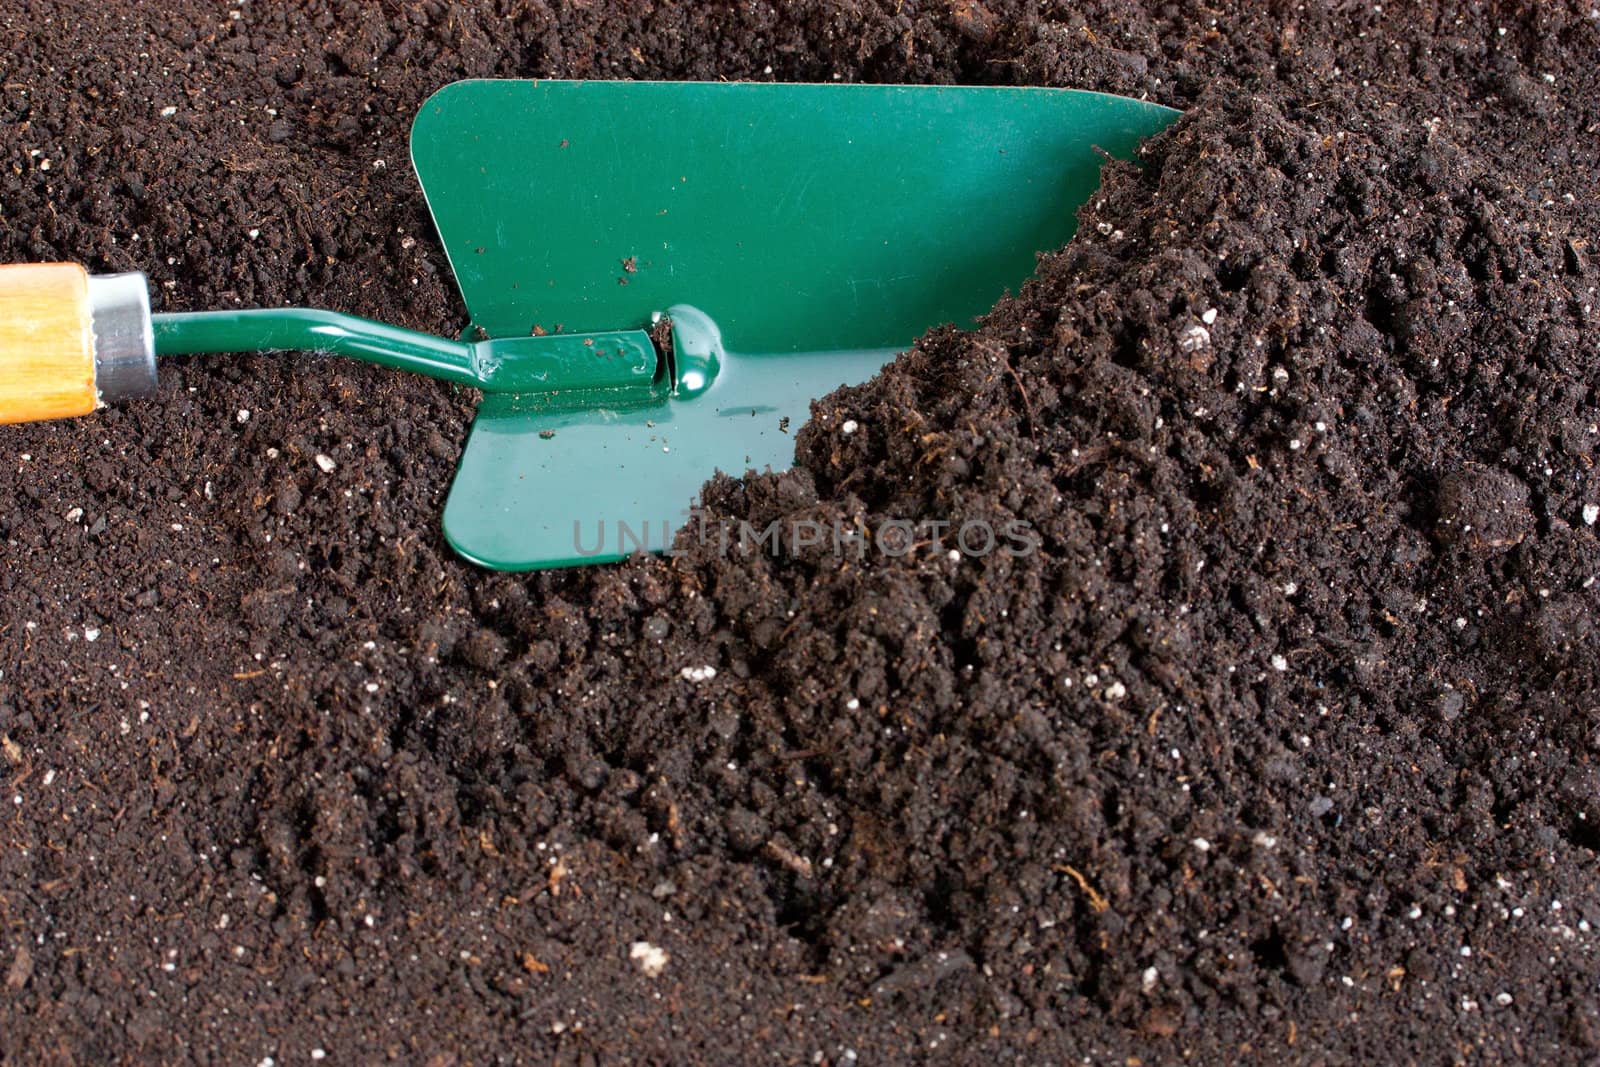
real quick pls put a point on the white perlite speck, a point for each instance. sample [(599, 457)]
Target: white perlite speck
[(326, 463), (1591, 512), (1279, 663), (698, 674), (850, 426), (243, 416), (1194, 338), (650, 959), (1209, 317)]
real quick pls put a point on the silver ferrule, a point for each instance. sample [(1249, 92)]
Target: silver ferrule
[(124, 337)]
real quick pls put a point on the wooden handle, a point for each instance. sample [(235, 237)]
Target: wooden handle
[(47, 365)]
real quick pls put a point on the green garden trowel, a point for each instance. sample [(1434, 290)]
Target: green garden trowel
[(660, 277)]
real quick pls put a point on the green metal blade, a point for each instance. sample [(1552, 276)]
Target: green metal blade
[(541, 488), (818, 229)]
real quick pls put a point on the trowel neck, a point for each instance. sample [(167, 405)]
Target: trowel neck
[(623, 363), (309, 330)]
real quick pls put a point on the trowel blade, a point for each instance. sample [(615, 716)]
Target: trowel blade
[(540, 488)]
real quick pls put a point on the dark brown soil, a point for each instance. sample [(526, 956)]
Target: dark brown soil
[(1282, 747)]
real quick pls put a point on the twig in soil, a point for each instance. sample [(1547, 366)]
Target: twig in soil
[(1155, 717), (796, 863), (558, 874), (1097, 903), (1000, 353)]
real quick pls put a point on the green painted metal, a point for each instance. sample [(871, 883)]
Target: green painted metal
[(797, 237), (591, 361)]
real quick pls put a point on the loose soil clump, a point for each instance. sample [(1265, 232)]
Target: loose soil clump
[(1281, 745)]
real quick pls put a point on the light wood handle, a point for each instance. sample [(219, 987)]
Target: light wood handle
[(47, 368)]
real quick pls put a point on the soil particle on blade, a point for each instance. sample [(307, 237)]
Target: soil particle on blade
[(1301, 427), (661, 339)]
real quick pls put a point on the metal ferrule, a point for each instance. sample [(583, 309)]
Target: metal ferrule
[(124, 339)]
